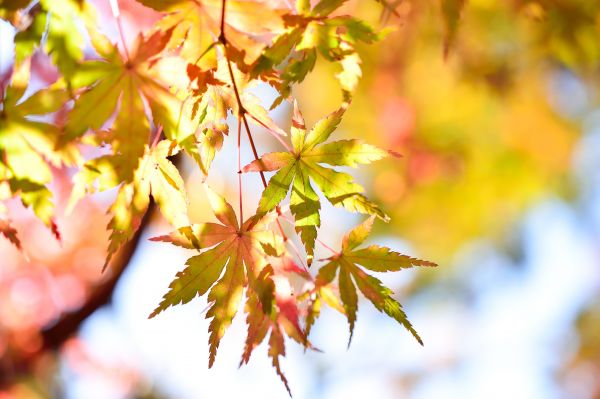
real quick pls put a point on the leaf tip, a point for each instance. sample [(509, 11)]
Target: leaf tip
[(55, 231), (297, 118), (394, 154)]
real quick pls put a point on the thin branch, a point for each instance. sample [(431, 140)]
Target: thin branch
[(222, 31), (241, 110)]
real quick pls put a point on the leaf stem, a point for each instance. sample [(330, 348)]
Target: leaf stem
[(157, 136), (239, 160), (272, 133), (317, 239), (222, 32), (114, 6), (327, 246), (241, 110)]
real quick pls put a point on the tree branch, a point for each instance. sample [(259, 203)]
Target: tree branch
[(11, 369)]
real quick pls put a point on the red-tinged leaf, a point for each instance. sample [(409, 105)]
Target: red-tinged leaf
[(283, 319), (249, 25), (277, 349), (272, 305), (10, 233), (202, 79), (285, 265), (55, 231), (258, 327), (287, 307), (214, 102), (238, 251), (196, 236), (269, 162), (297, 118), (129, 80)]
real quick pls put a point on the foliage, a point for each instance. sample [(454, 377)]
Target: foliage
[(170, 93), (485, 132)]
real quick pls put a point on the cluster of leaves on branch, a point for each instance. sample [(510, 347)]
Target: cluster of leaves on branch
[(170, 93)]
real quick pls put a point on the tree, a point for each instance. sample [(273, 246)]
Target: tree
[(460, 88), (145, 106)]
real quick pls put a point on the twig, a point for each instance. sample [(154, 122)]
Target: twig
[(241, 110)]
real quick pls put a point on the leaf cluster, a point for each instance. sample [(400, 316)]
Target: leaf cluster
[(169, 94)]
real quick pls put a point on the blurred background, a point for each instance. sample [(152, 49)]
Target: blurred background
[(497, 118)]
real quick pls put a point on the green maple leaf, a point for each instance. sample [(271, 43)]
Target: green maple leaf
[(296, 169), (234, 248), (375, 258), (28, 147), (122, 84), (64, 40), (156, 176), (312, 32), (28, 40)]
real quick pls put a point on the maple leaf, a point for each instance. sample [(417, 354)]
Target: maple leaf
[(156, 176), (213, 96), (271, 306), (145, 76), (28, 147), (296, 169), (64, 40), (27, 40), (318, 295), (312, 32), (122, 84), (234, 248), (350, 275), (249, 25)]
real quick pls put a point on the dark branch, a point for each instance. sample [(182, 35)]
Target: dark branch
[(11, 369)]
